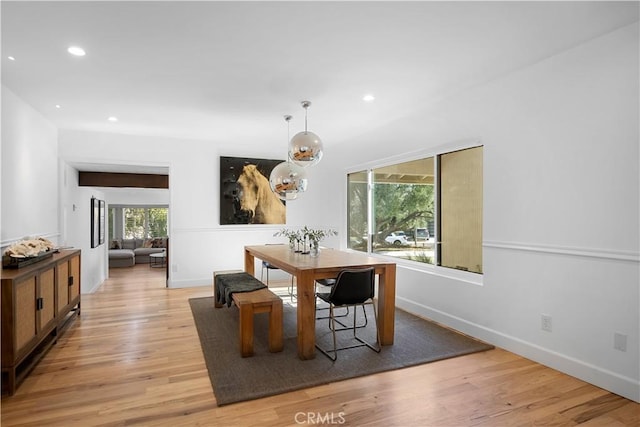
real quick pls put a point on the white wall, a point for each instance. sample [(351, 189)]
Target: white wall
[(75, 204), (29, 173), (561, 229), (39, 192), (136, 196)]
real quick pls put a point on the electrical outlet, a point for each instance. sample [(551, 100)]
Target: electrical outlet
[(545, 322), (174, 268), (620, 341)]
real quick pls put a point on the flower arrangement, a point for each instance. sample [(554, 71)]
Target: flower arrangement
[(316, 236), (289, 234), (306, 234), (294, 237)]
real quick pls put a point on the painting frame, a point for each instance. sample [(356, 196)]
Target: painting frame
[(233, 209), (95, 222), (101, 221)]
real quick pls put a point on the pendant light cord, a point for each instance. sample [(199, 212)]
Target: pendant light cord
[(305, 118), (287, 118)]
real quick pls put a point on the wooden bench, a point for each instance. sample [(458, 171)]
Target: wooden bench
[(250, 303)]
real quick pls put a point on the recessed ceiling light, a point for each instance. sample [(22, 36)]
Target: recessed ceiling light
[(11, 58), (113, 119), (368, 98), (76, 51), (58, 106)]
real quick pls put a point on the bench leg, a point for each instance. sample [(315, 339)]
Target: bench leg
[(246, 330), (275, 327)]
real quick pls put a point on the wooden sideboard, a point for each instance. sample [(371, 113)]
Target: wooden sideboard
[(38, 302)]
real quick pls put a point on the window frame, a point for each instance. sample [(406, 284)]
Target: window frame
[(368, 167)]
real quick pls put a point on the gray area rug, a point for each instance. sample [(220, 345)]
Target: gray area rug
[(236, 379)]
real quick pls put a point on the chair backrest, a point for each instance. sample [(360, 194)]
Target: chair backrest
[(353, 286)]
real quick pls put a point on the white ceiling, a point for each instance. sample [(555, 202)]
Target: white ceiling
[(228, 71)]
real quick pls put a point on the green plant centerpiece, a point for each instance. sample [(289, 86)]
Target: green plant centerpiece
[(315, 237), (308, 237), (294, 237)]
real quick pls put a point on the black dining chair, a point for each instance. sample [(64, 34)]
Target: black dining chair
[(325, 286), (353, 288), (266, 266)]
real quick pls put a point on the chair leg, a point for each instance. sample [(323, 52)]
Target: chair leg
[(333, 331), (355, 315), (291, 290), (346, 313), (377, 347), (332, 325)]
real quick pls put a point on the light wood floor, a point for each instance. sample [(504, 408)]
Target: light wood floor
[(133, 358)]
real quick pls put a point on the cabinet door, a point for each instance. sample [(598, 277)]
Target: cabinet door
[(74, 272), (46, 312), (62, 286), (25, 312)]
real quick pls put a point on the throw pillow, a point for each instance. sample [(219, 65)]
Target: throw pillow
[(115, 244), (148, 243)]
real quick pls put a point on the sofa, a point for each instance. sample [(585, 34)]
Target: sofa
[(128, 252)]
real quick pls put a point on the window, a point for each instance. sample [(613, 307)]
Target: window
[(427, 210), (402, 205), (460, 205), (112, 223), (130, 222), (357, 202)]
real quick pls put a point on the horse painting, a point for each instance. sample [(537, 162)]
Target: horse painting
[(257, 199)]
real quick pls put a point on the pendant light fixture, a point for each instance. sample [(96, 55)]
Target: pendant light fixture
[(305, 148), (288, 180)]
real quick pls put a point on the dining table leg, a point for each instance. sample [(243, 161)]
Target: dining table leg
[(306, 315), (387, 304), (249, 263)]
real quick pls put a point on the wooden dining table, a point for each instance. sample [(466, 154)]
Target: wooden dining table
[(307, 269)]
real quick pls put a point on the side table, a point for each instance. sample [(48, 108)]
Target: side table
[(158, 260)]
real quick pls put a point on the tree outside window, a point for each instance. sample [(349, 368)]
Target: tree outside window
[(138, 222)]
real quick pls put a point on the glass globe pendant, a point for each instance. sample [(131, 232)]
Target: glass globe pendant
[(287, 180), (305, 148)]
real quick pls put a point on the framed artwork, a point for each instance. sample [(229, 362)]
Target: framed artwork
[(245, 194), (95, 222), (101, 222)]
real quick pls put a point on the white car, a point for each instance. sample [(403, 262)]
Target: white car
[(397, 238)]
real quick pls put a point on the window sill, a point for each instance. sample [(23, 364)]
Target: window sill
[(449, 273)]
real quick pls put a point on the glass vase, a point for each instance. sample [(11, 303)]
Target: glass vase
[(314, 250)]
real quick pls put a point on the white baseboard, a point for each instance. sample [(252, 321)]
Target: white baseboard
[(94, 289), (615, 383)]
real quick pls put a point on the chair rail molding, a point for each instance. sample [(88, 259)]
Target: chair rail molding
[(582, 252)]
